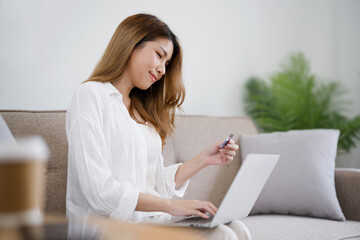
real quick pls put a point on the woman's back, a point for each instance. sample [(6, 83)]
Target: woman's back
[(107, 155)]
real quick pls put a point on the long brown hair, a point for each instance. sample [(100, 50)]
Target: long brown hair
[(157, 104)]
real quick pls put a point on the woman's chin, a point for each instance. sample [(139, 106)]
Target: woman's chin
[(144, 87)]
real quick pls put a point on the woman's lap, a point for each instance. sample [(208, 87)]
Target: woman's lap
[(236, 230), (240, 229)]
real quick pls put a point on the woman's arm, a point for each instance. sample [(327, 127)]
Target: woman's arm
[(213, 155), (150, 203), (189, 169)]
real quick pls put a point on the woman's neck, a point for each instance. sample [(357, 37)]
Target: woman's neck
[(124, 86)]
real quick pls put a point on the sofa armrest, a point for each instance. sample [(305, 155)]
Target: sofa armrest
[(347, 183)]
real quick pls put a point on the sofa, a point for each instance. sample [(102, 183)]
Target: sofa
[(192, 134)]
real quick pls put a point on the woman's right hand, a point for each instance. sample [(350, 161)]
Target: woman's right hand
[(190, 207)]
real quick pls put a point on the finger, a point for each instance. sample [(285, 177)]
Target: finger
[(210, 210), (213, 206), (227, 159), (232, 147), (207, 208), (200, 214), (228, 152)]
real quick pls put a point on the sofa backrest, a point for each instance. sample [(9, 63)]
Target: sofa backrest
[(192, 135), (51, 126)]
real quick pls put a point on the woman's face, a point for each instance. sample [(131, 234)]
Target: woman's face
[(147, 63)]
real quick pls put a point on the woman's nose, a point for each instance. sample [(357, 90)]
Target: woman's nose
[(161, 69)]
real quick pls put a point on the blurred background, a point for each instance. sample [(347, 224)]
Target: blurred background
[(47, 48)]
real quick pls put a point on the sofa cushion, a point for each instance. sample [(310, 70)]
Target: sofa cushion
[(51, 126), (277, 227), (303, 182)]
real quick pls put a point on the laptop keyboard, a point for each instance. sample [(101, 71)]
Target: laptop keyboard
[(196, 219)]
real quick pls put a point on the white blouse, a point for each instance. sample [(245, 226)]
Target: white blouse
[(153, 144), (108, 158)]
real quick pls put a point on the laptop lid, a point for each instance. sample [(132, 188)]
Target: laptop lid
[(6, 136), (245, 188)]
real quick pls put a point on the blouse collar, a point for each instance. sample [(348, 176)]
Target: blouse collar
[(111, 89)]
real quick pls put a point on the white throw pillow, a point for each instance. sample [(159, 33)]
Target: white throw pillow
[(302, 182)]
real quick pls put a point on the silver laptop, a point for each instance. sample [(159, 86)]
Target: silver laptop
[(6, 136), (240, 197)]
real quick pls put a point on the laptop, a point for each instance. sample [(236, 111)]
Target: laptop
[(6, 136), (241, 195)]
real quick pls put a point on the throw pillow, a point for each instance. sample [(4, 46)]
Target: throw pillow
[(303, 181)]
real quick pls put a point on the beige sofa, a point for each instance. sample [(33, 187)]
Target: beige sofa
[(192, 134)]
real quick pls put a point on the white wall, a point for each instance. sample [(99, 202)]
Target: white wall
[(47, 47)]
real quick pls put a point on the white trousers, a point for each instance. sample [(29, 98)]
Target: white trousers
[(235, 230)]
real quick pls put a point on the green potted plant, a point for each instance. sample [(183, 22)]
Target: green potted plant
[(296, 99)]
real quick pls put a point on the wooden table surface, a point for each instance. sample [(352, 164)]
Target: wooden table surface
[(108, 229)]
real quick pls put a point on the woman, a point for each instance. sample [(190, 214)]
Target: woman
[(117, 123)]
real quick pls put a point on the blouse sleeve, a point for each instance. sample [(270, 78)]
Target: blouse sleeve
[(89, 163), (165, 180)]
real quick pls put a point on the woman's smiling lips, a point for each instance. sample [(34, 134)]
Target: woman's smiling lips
[(152, 76)]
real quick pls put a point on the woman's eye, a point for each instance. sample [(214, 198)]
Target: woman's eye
[(158, 54)]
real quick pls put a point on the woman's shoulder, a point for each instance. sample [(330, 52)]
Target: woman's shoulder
[(90, 86), (88, 93), (92, 89), (88, 96)]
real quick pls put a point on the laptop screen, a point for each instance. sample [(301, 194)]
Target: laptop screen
[(6, 136)]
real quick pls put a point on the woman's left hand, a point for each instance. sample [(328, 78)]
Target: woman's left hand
[(214, 155)]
